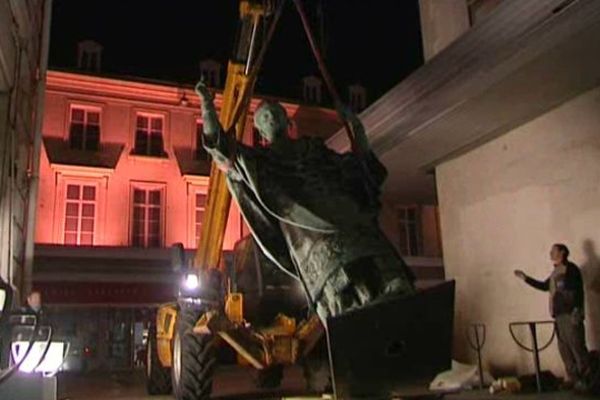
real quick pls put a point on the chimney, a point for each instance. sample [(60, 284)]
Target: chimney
[(357, 97), (89, 55), (210, 70), (311, 90)]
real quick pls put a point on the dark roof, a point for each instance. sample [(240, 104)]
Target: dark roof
[(59, 152), (188, 164)]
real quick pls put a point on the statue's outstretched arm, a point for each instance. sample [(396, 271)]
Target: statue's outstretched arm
[(210, 120), (214, 139)]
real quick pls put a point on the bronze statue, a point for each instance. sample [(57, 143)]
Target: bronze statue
[(311, 210)]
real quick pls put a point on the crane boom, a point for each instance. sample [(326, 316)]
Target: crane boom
[(238, 88)]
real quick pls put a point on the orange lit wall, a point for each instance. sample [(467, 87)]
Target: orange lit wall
[(119, 101)]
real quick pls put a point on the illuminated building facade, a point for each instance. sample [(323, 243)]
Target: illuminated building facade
[(123, 178)]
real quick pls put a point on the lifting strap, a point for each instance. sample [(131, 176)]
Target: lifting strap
[(320, 62), (325, 73)]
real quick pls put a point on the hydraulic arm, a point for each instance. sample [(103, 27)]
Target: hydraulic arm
[(238, 90)]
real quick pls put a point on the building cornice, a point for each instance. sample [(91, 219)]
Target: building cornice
[(130, 90), (82, 170), (197, 180)]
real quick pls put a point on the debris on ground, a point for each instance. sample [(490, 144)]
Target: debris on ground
[(460, 377), (508, 384)]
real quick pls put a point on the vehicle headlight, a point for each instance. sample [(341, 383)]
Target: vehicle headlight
[(191, 281)]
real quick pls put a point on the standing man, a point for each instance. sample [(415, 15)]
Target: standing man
[(566, 307), (34, 303), (33, 306)]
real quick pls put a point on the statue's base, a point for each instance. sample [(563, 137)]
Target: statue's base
[(377, 350)]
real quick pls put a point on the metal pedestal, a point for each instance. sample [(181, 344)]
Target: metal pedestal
[(476, 336), (535, 349), (379, 351)]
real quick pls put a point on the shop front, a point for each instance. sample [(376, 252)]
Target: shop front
[(100, 301)]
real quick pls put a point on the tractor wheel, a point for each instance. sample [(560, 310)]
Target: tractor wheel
[(194, 359), (158, 378), (316, 369), (269, 378), (317, 376)]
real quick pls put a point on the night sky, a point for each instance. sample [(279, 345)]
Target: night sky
[(373, 42)]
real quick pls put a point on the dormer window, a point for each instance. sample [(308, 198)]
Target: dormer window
[(84, 130), (357, 97), (312, 89), (210, 70)]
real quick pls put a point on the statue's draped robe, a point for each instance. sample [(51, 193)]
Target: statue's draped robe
[(314, 213)]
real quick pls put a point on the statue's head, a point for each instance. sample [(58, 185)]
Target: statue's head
[(271, 121)]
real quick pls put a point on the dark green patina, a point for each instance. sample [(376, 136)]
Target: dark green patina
[(311, 210)]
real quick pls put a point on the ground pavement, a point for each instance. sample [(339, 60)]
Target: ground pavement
[(130, 386)]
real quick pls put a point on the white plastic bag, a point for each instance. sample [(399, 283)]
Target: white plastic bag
[(460, 377)]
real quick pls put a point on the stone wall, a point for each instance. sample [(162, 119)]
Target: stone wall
[(503, 205)]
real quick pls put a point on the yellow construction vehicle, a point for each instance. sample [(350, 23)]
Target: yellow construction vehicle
[(182, 345)]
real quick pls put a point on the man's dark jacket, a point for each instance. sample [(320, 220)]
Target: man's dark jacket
[(569, 290)]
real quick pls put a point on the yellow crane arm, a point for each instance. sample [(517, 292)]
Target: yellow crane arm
[(238, 88)]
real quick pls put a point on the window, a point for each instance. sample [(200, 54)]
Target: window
[(199, 207), (409, 231), (80, 213), (146, 223), (201, 153), (84, 131), (149, 136)]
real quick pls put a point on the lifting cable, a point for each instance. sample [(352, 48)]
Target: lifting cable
[(325, 73), (259, 60), (373, 198), (318, 57)]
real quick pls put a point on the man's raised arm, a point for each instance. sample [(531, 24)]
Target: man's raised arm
[(534, 283)]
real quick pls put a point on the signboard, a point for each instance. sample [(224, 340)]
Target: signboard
[(106, 293)]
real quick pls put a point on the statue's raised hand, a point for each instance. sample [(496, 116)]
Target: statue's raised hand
[(345, 112), (203, 92), (211, 125), (358, 130)]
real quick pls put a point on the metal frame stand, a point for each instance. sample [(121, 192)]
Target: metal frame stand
[(477, 344), (535, 349)]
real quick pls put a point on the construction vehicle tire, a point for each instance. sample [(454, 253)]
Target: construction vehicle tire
[(158, 378), (194, 358), (317, 376), (269, 378)]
